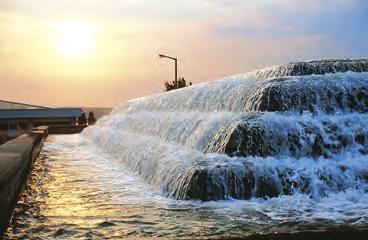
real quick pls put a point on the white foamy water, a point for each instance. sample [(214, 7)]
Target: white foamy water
[(124, 187), (168, 149), (200, 142), (79, 191), (328, 203), (266, 152), (244, 92)]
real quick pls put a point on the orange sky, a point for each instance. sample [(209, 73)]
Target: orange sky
[(99, 53)]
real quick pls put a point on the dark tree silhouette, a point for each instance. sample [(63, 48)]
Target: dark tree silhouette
[(176, 85), (82, 120), (91, 118)]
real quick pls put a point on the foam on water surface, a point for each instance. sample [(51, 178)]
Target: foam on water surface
[(79, 191), (276, 150), (299, 128), (329, 93)]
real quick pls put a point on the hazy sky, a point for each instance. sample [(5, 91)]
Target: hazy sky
[(101, 52)]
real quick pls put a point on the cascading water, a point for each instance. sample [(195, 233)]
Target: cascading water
[(300, 128)]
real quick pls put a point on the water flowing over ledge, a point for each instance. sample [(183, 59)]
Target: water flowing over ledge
[(319, 67), (260, 134)]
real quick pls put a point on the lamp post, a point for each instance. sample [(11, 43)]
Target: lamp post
[(176, 66)]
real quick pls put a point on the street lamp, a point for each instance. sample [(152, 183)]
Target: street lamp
[(176, 66)]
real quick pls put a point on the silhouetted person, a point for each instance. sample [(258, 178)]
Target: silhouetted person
[(91, 118), (182, 83), (82, 120)]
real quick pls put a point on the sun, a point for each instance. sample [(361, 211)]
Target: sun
[(74, 39)]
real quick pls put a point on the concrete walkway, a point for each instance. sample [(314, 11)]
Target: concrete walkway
[(16, 160)]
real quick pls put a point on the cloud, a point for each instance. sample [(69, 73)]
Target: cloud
[(212, 38), (339, 20)]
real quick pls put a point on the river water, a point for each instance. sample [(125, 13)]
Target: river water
[(77, 191)]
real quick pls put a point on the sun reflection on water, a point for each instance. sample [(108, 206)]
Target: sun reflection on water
[(78, 192)]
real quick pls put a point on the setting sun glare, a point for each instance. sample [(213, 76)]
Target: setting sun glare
[(74, 39)]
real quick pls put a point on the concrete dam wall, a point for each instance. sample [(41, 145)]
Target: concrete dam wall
[(295, 128), (16, 160)]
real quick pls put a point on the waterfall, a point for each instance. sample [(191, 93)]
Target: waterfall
[(295, 128), (319, 67)]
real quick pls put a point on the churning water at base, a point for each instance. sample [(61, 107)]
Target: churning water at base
[(213, 141), (79, 191), (276, 150)]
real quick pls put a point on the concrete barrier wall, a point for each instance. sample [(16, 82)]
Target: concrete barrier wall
[(16, 160)]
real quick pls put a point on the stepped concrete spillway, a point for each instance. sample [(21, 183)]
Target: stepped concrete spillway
[(295, 128)]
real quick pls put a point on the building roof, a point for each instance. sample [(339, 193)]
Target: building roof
[(16, 105), (40, 113)]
